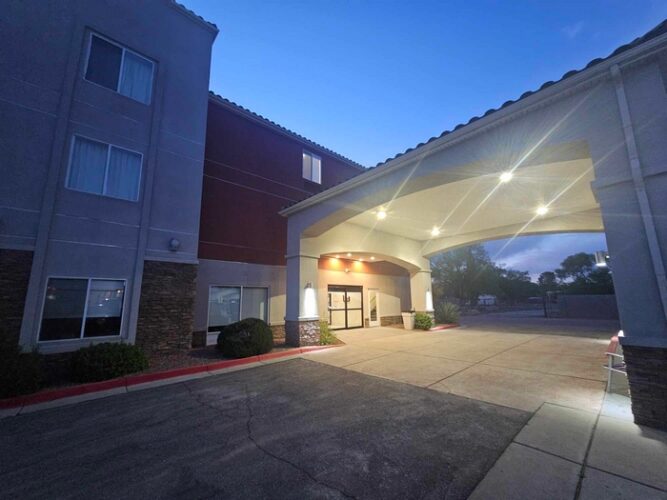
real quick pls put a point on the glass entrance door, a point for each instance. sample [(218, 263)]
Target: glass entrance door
[(346, 309)]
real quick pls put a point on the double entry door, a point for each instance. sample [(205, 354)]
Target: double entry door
[(346, 307)]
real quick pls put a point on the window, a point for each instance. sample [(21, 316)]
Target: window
[(82, 308), (99, 168), (229, 304), (312, 167), (119, 69)]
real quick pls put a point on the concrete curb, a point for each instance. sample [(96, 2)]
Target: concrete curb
[(438, 328), (95, 390)]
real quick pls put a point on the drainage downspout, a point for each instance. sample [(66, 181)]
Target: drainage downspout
[(640, 187)]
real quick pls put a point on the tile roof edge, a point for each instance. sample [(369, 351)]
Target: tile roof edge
[(275, 126), (193, 15)]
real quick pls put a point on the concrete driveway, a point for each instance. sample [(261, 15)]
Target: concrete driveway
[(293, 429), (580, 442), (517, 370)]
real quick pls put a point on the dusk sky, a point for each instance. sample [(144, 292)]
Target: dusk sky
[(369, 79)]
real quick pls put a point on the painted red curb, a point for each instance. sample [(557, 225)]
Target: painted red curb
[(444, 327), (78, 390)]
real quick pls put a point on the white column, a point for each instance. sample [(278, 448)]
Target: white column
[(302, 274), (420, 291)]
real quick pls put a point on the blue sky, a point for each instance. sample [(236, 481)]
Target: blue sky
[(371, 78)]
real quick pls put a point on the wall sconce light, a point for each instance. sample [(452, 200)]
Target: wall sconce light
[(174, 245)]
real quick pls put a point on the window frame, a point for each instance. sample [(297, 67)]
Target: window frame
[(208, 303), (106, 168), (312, 155), (123, 49), (85, 309)]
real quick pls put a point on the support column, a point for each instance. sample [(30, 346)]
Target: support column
[(421, 294), (302, 322), (632, 211)]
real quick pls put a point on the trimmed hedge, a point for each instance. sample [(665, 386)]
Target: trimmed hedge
[(106, 361), (423, 321), (20, 372), (245, 338)]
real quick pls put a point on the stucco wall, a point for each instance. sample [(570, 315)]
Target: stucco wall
[(45, 100)]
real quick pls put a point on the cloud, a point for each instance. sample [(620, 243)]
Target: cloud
[(572, 30), (537, 254)]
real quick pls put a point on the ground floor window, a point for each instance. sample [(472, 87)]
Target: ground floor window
[(82, 307), (229, 304)]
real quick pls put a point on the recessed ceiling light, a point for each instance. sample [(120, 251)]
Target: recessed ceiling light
[(349, 254), (372, 258), (381, 214), (506, 176), (337, 256), (435, 231), (542, 210)]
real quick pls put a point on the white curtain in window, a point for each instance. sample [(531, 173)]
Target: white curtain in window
[(254, 303), (307, 166), (124, 174), (86, 171), (317, 170), (137, 78)]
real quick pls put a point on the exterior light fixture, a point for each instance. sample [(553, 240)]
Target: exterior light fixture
[(435, 231), (506, 177), (542, 210), (381, 214), (372, 258), (337, 256), (349, 254)]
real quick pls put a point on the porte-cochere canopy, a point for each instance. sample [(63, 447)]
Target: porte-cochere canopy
[(587, 153)]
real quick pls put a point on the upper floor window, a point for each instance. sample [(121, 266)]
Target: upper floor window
[(100, 168), (312, 167), (119, 69)]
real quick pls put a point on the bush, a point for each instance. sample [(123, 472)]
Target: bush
[(326, 336), (248, 337), (20, 372), (447, 312), (105, 361), (423, 321)]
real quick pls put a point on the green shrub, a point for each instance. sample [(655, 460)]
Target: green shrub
[(105, 361), (20, 372), (248, 337), (446, 313), (423, 321), (326, 336)]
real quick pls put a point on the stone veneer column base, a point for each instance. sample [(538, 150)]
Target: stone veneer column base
[(391, 320), (166, 307), (15, 267), (647, 377), (278, 332), (302, 333)]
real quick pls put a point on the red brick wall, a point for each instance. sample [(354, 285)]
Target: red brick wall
[(251, 172)]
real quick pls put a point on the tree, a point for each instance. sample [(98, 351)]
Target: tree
[(576, 266), (515, 286), (579, 275), (464, 273), (547, 282)]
